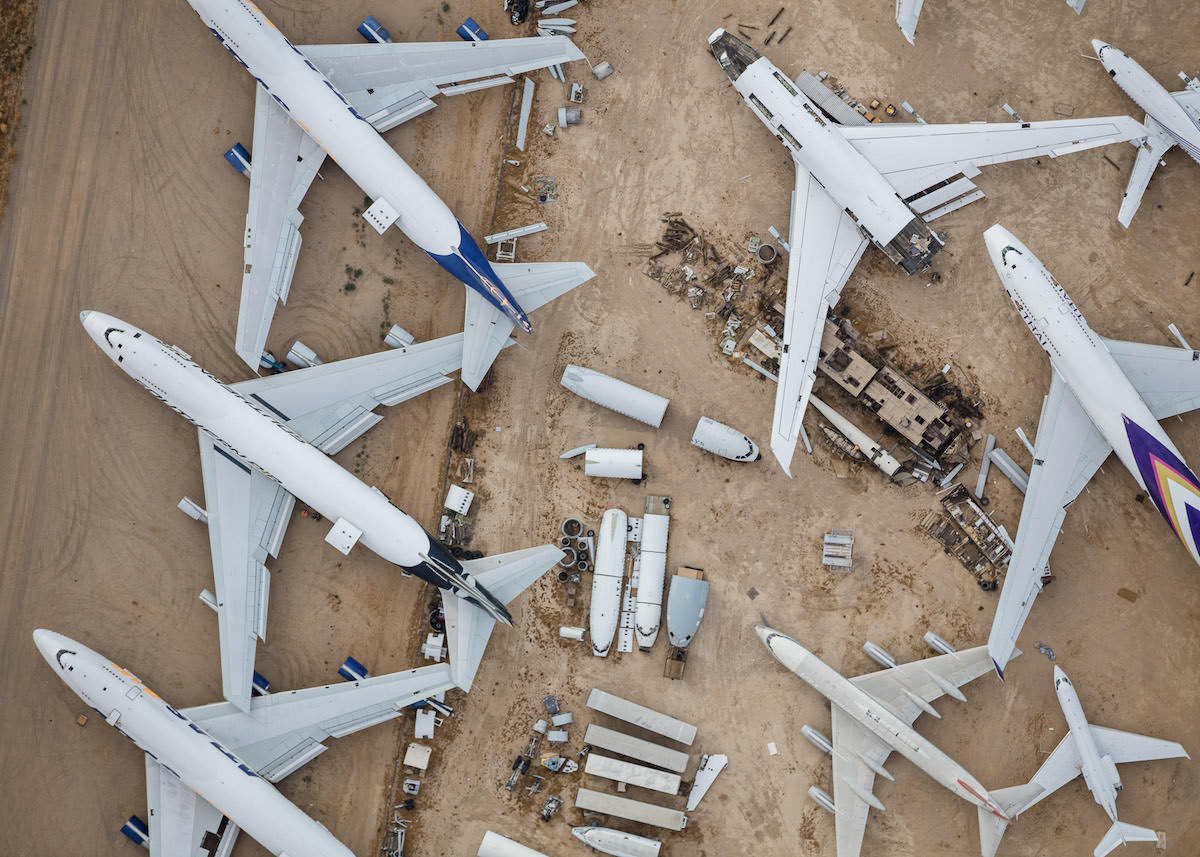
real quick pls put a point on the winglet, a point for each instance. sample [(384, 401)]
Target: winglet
[(999, 670)]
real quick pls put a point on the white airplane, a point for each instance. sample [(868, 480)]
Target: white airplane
[(336, 100), (872, 716), (1105, 396), (266, 441), (1172, 119), (907, 13), (871, 184), (213, 762), (1095, 752)]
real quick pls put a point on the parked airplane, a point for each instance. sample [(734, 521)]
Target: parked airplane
[(871, 184), (1093, 751), (1172, 118), (872, 716), (1105, 395), (266, 441), (199, 759), (336, 100)]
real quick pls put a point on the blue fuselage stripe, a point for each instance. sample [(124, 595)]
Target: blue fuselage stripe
[(471, 266)]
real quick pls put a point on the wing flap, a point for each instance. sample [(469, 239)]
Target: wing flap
[(1067, 452), (826, 246), (285, 161), (914, 157), (1166, 377)]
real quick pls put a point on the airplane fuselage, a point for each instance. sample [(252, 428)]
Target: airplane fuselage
[(1151, 96), (175, 742), (878, 719), (1111, 402), (259, 439), (1104, 791), (816, 146), (326, 116)]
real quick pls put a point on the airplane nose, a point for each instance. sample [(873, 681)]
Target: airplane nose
[(48, 643), (1058, 673), (83, 316), (997, 238), (1098, 46)]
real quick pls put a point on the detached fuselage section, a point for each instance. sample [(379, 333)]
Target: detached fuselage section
[(814, 143)]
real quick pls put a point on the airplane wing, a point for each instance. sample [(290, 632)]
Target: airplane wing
[(1149, 153), (332, 404), (183, 824), (285, 161), (1060, 767), (468, 628), (853, 778), (1168, 378), (907, 13), (900, 687), (486, 329), (283, 731), (1068, 450), (1131, 747), (247, 516), (916, 157), (391, 83), (826, 245)]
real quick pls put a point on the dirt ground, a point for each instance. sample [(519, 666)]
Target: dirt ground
[(120, 202)]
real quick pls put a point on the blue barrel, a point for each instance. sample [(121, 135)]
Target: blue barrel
[(470, 31), (137, 831), (259, 684), (373, 31), (352, 670), (239, 158)]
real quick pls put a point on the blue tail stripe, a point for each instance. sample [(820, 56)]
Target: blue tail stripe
[(471, 266)]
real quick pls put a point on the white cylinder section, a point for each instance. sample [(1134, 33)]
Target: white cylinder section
[(570, 632), (495, 845), (651, 577), (723, 440), (613, 463), (608, 392), (873, 451), (606, 580)]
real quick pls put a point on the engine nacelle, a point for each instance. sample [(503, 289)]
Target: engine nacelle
[(822, 799), (1108, 769), (817, 739), (938, 644), (879, 655)]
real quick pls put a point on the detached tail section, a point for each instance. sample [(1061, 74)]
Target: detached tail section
[(468, 627), (486, 329), (1013, 801), (1122, 834)]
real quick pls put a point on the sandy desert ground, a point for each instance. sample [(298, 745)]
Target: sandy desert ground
[(120, 202)]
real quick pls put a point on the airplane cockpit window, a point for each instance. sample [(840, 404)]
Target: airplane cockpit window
[(58, 657), (1004, 254), (111, 331)]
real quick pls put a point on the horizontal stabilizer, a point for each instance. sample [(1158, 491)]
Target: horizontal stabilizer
[(1121, 834), (1012, 800), (468, 627), (486, 329)]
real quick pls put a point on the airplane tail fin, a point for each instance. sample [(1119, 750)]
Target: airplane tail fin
[(1148, 155), (469, 627), (1012, 800), (486, 328), (1120, 834)]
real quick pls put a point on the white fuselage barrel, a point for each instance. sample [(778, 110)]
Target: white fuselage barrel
[(877, 718), (1151, 96), (324, 114), (1080, 356), (606, 580), (200, 761), (1103, 791), (651, 577), (260, 440)]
